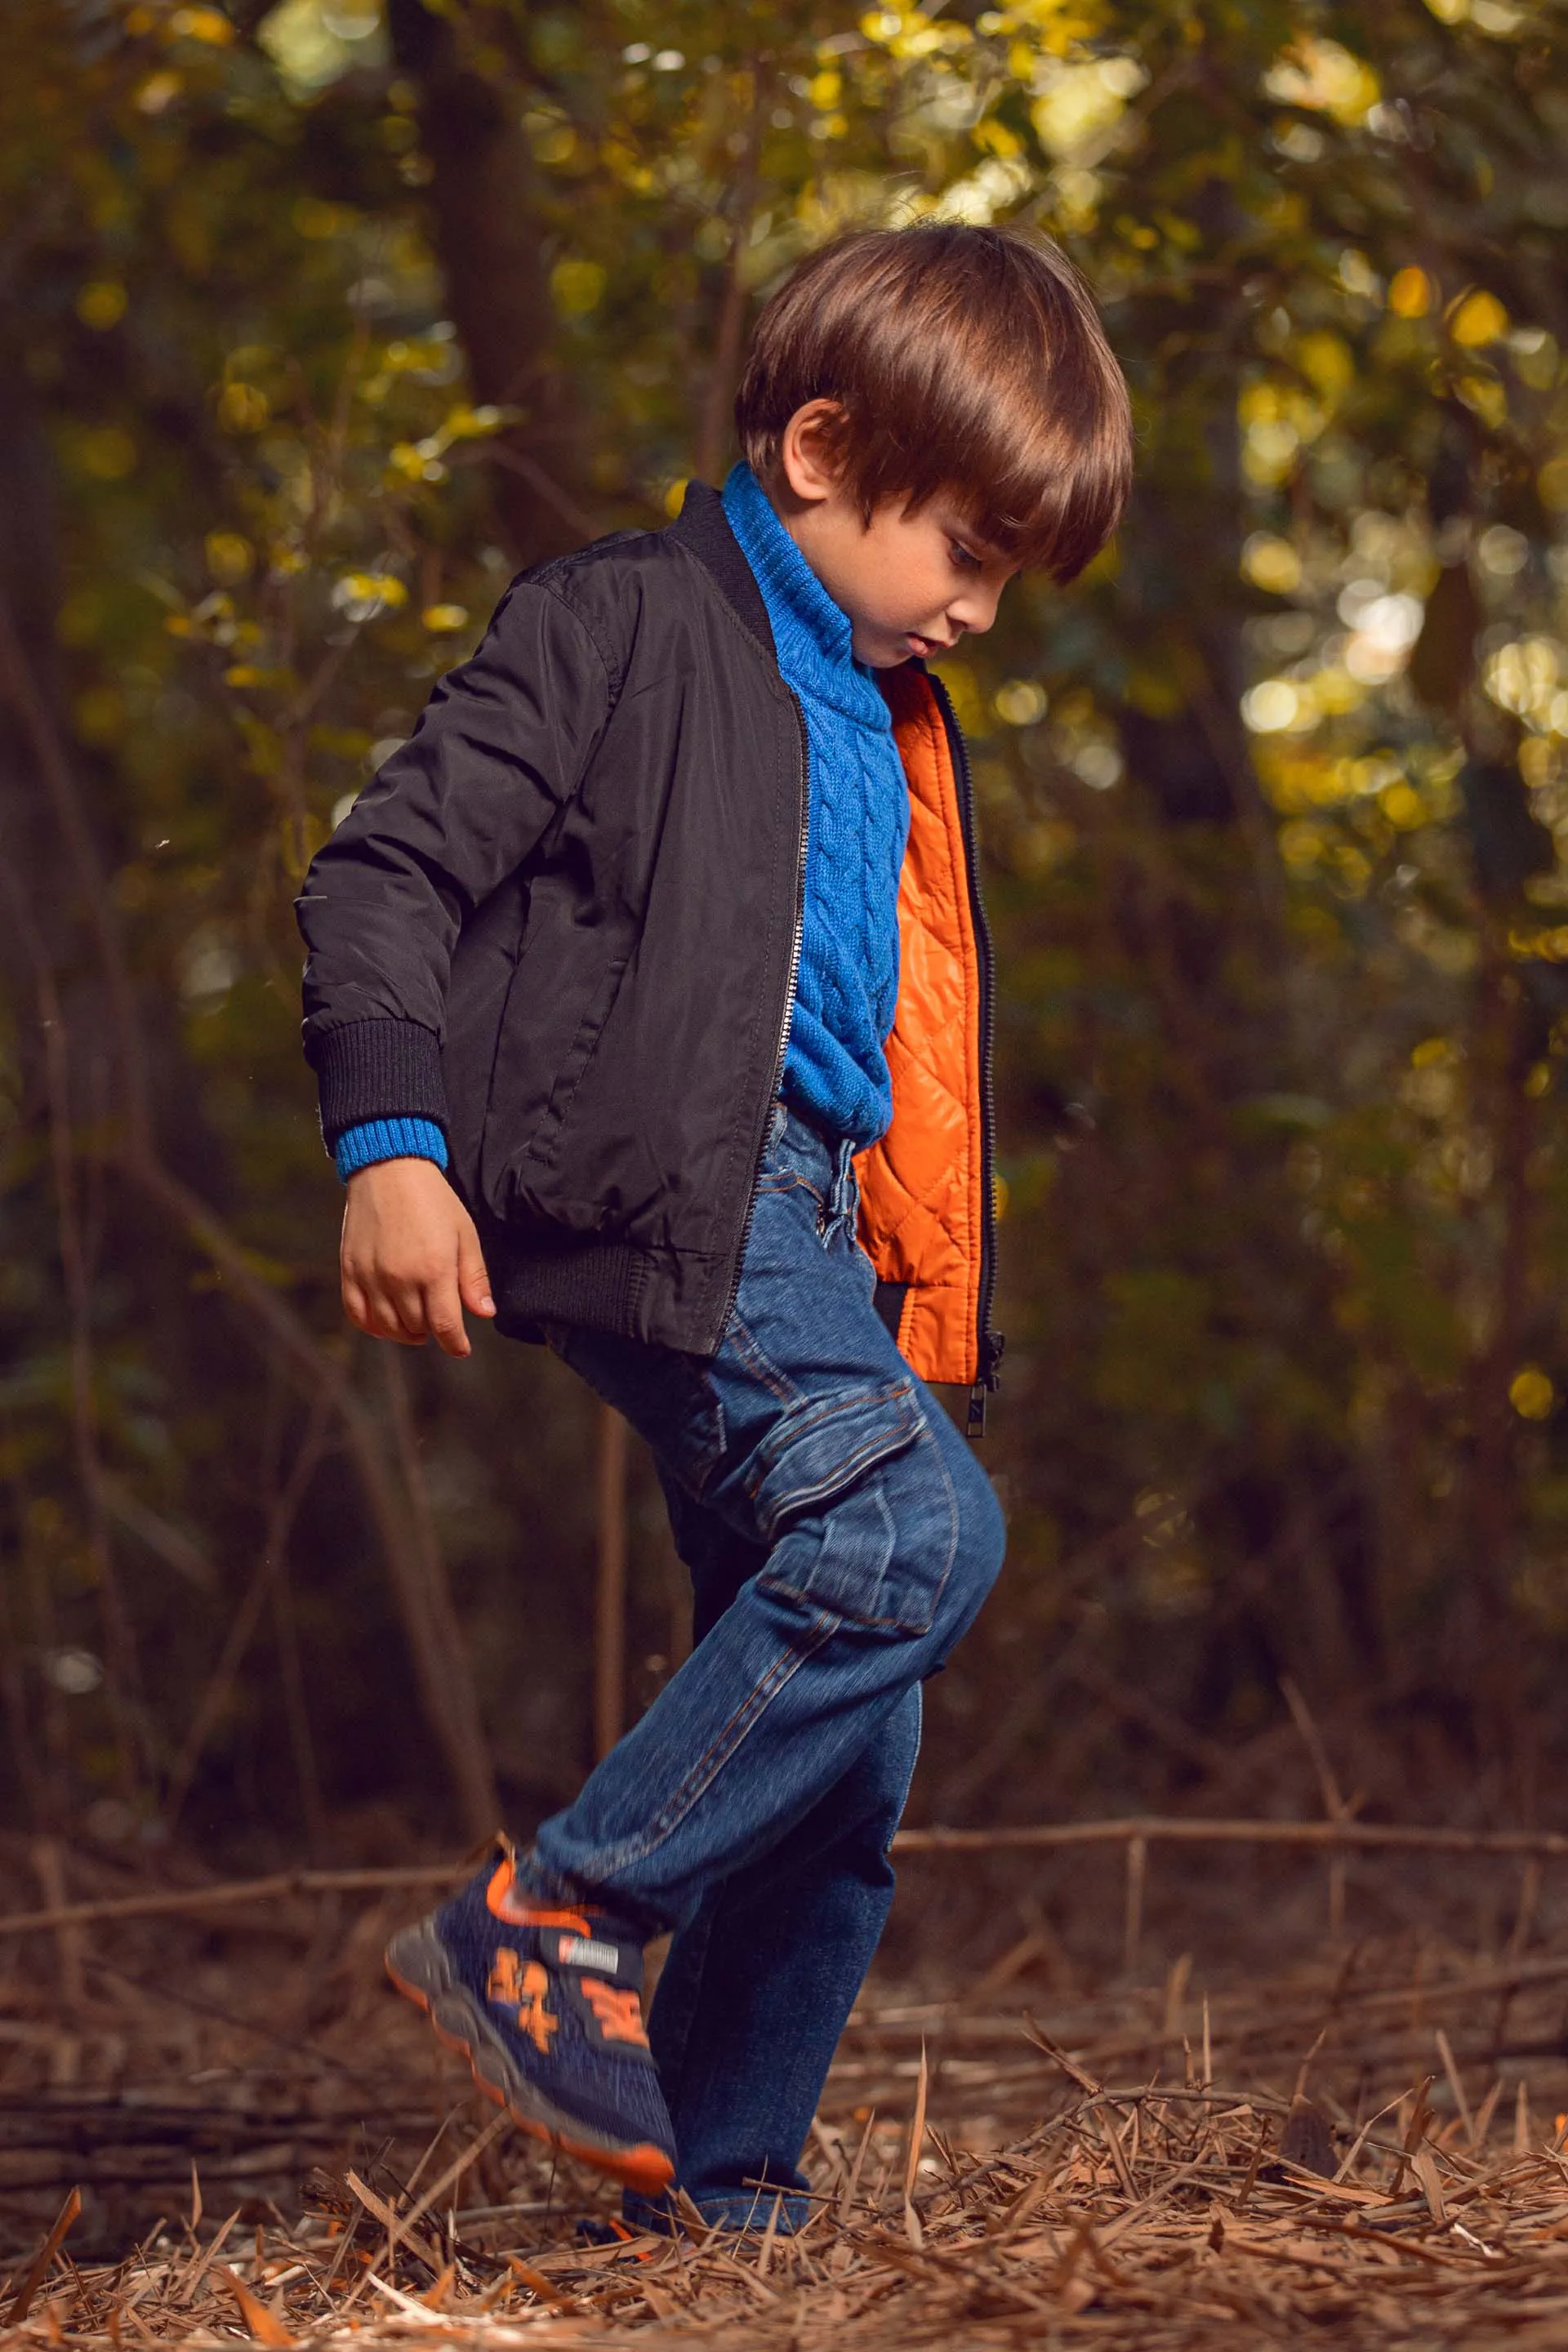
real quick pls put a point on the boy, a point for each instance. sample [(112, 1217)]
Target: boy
[(649, 993)]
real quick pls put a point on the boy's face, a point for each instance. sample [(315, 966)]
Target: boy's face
[(911, 584)]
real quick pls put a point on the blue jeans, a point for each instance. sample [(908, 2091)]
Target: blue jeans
[(840, 1536)]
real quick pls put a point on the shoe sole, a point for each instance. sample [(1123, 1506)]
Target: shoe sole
[(418, 1965)]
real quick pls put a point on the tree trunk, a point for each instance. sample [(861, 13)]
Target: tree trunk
[(488, 235)]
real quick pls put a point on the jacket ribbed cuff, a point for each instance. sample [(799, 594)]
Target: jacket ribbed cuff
[(370, 1070), (389, 1138)]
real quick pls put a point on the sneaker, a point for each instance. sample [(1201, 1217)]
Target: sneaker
[(543, 2003)]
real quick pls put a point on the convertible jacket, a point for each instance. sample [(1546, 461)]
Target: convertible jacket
[(564, 922)]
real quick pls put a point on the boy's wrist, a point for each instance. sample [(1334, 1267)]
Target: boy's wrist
[(373, 1140)]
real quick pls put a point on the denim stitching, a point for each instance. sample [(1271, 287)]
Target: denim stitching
[(954, 1522), (599, 1868), (747, 1346), (891, 1392), (788, 1180), (913, 1625), (881, 1446), (771, 1584), (711, 1455), (699, 1931)]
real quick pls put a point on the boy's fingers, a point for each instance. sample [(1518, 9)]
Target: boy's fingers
[(399, 1308), (372, 1314), (473, 1282), (444, 1319)]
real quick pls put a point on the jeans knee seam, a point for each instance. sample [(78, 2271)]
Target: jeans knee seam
[(953, 1523)]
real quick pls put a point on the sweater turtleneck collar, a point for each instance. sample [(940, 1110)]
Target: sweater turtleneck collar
[(812, 635)]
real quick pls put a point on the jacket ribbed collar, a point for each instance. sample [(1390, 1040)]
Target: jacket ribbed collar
[(812, 635)]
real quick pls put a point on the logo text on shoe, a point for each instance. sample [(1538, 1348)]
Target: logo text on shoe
[(515, 1986), (583, 1952), (506, 1978), (619, 2014), (533, 2017)]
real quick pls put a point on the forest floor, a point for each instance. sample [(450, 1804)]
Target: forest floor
[(248, 2138)]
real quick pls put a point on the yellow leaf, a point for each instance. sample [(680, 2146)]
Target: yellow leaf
[(575, 287), (1404, 807), (158, 91), (1478, 319), (102, 304), (1325, 77), (1485, 396), (1328, 362), (1553, 484), (1410, 293), (1271, 563), (441, 618), (1531, 1394), (229, 557), (361, 596), (209, 25), (106, 453), (243, 408)]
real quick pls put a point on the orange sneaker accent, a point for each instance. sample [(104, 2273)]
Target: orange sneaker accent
[(505, 1980), (619, 2012), (533, 2017), (518, 1912), (645, 2168)]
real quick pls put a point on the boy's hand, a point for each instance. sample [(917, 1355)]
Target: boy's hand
[(410, 1257)]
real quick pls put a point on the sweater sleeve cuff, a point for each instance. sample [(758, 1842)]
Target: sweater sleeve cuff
[(378, 1069), (389, 1138)]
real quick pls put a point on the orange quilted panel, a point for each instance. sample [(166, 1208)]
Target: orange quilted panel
[(922, 1207)]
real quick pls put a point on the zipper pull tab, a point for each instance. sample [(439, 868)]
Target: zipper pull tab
[(975, 1427)]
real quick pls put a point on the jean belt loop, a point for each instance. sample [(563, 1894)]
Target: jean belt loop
[(844, 1184)]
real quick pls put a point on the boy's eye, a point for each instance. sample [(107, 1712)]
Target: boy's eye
[(964, 559)]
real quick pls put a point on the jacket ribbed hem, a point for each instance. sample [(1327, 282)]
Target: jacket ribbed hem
[(598, 1287), (370, 1070)]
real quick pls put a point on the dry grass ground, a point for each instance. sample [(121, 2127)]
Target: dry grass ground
[(267, 2146)]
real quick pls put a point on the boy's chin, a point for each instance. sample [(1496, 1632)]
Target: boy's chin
[(884, 648)]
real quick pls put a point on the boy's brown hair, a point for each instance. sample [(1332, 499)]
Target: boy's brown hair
[(965, 361)]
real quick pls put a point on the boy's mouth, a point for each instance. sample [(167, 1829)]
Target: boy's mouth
[(923, 647)]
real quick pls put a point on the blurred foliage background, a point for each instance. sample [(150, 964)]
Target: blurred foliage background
[(318, 320)]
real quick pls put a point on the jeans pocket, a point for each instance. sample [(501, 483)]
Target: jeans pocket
[(840, 1539)]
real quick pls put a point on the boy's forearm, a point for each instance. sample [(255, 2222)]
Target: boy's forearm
[(461, 806)]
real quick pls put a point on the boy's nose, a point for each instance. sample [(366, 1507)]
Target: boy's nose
[(974, 611)]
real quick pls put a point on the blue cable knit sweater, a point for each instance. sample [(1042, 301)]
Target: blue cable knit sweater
[(836, 1067), (835, 1070)]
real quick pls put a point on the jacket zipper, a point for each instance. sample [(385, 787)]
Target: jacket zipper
[(989, 1344), (787, 1017)]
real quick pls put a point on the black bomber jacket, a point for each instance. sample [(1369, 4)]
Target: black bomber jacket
[(563, 922)]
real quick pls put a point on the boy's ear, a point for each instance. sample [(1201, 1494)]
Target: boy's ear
[(810, 447)]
